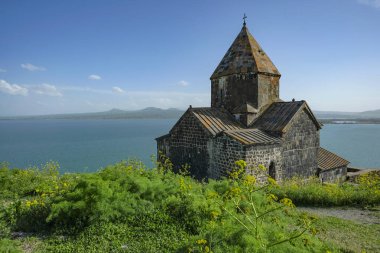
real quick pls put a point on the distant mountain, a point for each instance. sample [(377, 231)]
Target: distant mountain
[(371, 114), (147, 113), (172, 113), (375, 114)]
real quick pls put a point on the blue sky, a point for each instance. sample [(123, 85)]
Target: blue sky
[(86, 56)]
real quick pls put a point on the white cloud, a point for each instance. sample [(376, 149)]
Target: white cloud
[(85, 89), (118, 90), (47, 89), (12, 89), (183, 83), (94, 77), (3, 70), (373, 3), (32, 67)]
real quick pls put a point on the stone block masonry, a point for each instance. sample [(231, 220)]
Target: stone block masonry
[(300, 148), (187, 144)]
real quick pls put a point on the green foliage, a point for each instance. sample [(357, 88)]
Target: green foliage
[(245, 216), (127, 207), (349, 236), (28, 182), (9, 246), (311, 192), (155, 232)]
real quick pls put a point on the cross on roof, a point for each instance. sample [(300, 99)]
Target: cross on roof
[(244, 18)]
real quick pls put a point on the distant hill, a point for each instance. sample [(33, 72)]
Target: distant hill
[(371, 114), (172, 113), (147, 113), (366, 117), (375, 114)]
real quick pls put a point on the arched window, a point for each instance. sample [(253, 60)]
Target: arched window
[(272, 170)]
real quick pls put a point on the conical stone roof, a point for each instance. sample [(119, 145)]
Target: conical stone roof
[(245, 56)]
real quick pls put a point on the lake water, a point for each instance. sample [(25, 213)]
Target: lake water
[(87, 145)]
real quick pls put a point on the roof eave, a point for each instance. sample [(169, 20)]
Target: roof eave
[(162, 137), (216, 75), (333, 168)]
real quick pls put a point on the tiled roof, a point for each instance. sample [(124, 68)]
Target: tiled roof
[(215, 120), (252, 136), (245, 56), (328, 160), (279, 114)]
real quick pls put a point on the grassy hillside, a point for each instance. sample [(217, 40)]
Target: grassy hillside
[(129, 208)]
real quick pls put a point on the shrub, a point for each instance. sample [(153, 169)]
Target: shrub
[(313, 193), (9, 246), (28, 182), (125, 204)]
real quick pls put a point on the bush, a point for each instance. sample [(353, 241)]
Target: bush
[(9, 246), (28, 182), (126, 204), (313, 193)]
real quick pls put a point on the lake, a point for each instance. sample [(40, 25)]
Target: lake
[(87, 145)]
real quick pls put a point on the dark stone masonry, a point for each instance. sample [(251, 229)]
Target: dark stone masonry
[(248, 121)]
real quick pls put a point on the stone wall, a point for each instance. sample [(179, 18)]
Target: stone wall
[(223, 151), (187, 144), (234, 90), (268, 156), (333, 175), (268, 90), (163, 145), (300, 147)]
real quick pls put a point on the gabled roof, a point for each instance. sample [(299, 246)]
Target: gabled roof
[(245, 56), (252, 136), (328, 160), (278, 116), (215, 120)]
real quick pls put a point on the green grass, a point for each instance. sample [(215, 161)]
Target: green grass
[(129, 208), (349, 236), (365, 192)]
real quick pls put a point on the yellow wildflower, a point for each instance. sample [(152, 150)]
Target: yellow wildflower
[(272, 197), (201, 241), (262, 167), (287, 202), (214, 214), (235, 191), (250, 180), (212, 194), (271, 181)]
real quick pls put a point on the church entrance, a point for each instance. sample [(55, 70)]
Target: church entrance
[(272, 170)]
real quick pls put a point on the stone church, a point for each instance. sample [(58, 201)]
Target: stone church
[(248, 121)]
